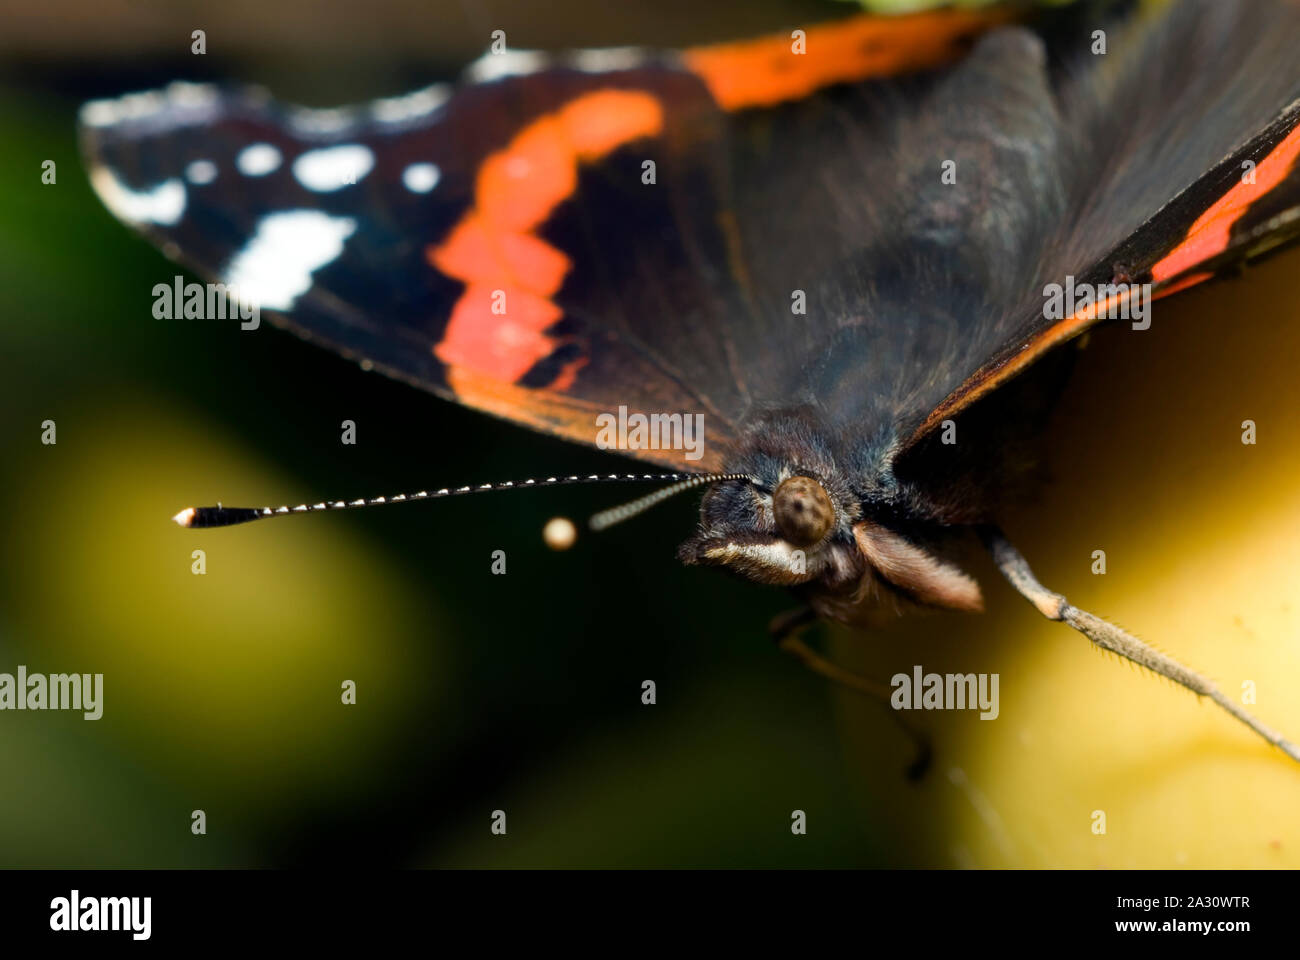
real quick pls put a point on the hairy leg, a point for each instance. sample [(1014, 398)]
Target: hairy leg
[(1110, 637), (785, 630)]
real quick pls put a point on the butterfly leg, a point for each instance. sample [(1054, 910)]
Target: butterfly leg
[(785, 629), (1110, 637)]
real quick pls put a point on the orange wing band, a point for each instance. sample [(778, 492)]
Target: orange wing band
[(497, 327), (773, 69)]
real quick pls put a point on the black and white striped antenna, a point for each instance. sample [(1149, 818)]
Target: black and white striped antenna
[(222, 516)]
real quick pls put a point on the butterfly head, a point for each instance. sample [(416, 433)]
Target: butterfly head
[(809, 529), (793, 531)]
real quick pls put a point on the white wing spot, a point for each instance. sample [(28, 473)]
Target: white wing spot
[(258, 159), (201, 172), (421, 177), (162, 204), (607, 59), (189, 102), (511, 63), (329, 120), (276, 264), (333, 168), (410, 106)]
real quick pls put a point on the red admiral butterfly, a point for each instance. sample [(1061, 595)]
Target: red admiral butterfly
[(826, 275)]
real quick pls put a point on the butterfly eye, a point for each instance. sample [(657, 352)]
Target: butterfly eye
[(803, 511)]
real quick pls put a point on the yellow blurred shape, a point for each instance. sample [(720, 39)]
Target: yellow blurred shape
[(234, 675), (1202, 540)]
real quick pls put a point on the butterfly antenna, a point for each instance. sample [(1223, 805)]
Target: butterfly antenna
[(607, 518), (222, 516)]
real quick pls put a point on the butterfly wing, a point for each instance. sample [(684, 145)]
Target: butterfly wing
[(552, 240), (1187, 165)]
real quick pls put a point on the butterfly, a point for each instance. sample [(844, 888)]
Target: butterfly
[(829, 276)]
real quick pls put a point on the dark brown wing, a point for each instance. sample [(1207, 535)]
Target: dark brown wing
[(1188, 140), (553, 240)]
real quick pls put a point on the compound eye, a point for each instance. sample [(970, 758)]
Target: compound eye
[(803, 511)]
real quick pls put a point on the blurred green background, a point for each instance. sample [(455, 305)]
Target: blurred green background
[(522, 692)]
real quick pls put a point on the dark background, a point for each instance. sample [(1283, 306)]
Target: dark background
[(522, 692)]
